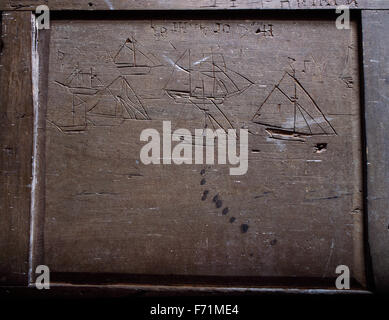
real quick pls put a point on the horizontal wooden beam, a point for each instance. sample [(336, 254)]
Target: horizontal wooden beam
[(190, 4), (64, 290)]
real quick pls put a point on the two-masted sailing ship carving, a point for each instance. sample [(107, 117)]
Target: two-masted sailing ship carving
[(206, 80), (289, 111), (206, 83)]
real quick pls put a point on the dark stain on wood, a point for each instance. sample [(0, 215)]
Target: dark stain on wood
[(244, 228)]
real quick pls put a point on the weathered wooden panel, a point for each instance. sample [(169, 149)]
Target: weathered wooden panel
[(298, 210), (190, 4), (16, 137), (40, 77), (376, 68)]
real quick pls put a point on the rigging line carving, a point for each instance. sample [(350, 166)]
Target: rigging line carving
[(206, 84), (133, 59), (289, 109), (99, 105)]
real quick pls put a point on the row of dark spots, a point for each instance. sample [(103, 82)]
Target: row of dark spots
[(219, 203)]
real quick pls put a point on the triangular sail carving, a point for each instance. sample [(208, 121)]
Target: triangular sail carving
[(291, 108)]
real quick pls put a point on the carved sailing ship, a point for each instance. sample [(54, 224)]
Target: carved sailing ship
[(205, 81), (132, 59), (289, 111), (98, 104)]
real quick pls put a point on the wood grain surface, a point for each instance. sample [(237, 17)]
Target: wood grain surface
[(296, 214), (376, 66), (190, 4), (16, 142)]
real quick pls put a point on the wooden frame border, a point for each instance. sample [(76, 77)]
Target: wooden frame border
[(375, 41), (190, 4), (16, 140), (17, 149)]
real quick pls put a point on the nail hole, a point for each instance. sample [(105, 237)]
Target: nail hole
[(320, 147), (244, 228)]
